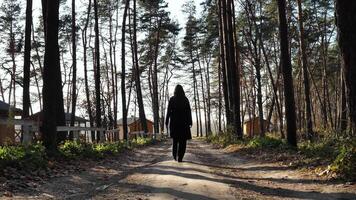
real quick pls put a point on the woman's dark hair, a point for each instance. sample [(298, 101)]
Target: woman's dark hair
[(178, 91)]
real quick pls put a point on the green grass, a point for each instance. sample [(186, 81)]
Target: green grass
[(337, 153), (34, 156)]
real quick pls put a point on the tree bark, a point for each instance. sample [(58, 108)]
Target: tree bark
[(97, 71), (287, 75), (141, 108), (74, 65), (27, 62), (308, 117), (345, 20), (53, 110), (85, 62), (123, 73)]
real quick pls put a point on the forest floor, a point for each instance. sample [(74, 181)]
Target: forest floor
[(151, 173)]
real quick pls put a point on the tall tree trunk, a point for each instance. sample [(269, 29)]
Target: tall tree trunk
[(308, 117), (287, 75), (123, 72), (74, 65), (44, 17), (220, 97), (141, 108), (345, 20), (195, 96), (27, 62), (343, 108), (97, 71), (223, 61), (233, 70), (113, 120), (155, 80), (85, 62), (53, 110)]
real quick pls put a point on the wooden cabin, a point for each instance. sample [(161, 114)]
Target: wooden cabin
[(134, 127), (7, 130), (79, 121), (251, 127)]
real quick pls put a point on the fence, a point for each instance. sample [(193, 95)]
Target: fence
[(28, 130)]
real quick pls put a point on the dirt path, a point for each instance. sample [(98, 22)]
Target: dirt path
[(207, 173)]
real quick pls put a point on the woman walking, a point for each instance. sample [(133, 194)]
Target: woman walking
[(179, 117)]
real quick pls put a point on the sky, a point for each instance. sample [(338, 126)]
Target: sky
[(174, 7)]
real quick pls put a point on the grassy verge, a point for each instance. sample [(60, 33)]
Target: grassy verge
[(337, 156), (34, 156)]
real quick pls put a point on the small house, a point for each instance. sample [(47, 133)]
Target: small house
[(78, 121), (7, 130), (251, 127), (134, 127)]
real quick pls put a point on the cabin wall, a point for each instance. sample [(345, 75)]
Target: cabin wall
[(7, 134), (252, 128)]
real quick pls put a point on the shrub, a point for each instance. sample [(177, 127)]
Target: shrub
[(326, 148), (265, 142), (223, 139), (344, 164), (74, 149), (33, 156)]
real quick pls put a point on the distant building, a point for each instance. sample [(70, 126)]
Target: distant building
[(78, 121), (134, 127), (251, 127), (7, 130)]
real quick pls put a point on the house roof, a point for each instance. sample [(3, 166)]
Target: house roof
[(5, 107), (67, 117), (130, 120)]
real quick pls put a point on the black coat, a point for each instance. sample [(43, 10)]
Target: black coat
[(179, 116)]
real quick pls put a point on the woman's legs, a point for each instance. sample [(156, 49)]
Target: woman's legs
[(174, 148), (181, 149)]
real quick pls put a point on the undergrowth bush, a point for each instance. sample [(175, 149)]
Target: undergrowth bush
[(345, 162), (325, 148), (337, 152), (223, 139), (34, 156), (265, 142), (74, 149), (141, 141)]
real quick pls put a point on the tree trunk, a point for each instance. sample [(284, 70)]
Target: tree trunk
[(27, 62), (233, 70), (287, 75), (343, 108), (220, 97), (74, 65), (141, 108), (85, 62), (309, 123), (53, 110), (97, 71), (223, 62), (345, 20), (155, 81), (123, 92)]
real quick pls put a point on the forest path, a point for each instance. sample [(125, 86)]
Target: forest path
[(206, 174)]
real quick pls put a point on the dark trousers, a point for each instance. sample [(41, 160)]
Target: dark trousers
[(180, 146)]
